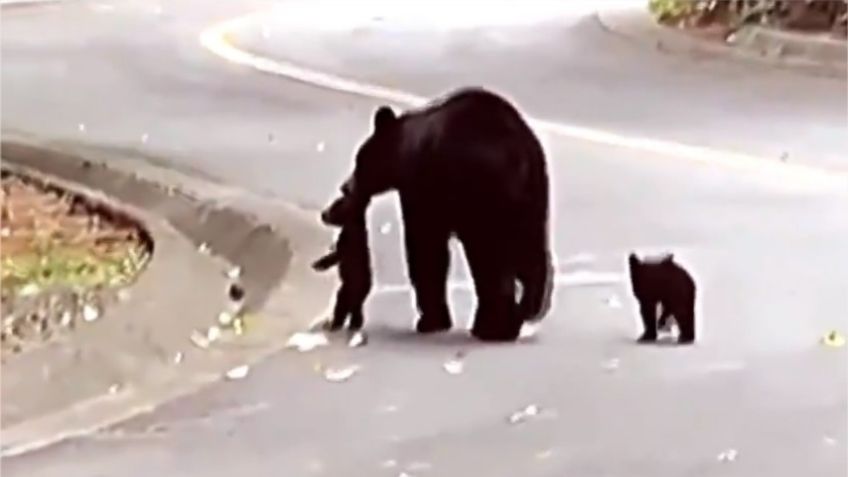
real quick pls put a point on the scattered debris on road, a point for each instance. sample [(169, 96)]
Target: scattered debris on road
[(234, 273), (339, 375), (728, 455), (520, 416), (613, 302), (239, 372), (303, 341), (455, 365), (611, 365)]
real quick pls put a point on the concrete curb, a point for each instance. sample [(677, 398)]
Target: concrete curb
[(755, 45), (272, 242)]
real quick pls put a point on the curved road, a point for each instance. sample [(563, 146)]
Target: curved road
[(769, 249)]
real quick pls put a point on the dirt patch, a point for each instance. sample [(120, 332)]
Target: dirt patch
[(64, 258)]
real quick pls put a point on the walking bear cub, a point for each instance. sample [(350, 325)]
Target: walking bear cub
[(352, 256), (664, 282)]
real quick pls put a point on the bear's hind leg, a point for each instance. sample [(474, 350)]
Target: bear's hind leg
[(497, 317)]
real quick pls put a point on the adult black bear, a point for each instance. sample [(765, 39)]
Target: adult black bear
[(666, 283), (353, 258), (466, 165)]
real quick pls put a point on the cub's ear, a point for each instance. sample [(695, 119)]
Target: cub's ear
[(633, 260), (384, 117)]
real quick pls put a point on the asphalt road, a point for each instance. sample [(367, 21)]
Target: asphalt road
[(769, 255)]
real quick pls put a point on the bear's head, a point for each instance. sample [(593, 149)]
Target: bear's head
[(375, 168)]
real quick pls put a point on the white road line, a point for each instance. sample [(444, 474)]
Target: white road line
[(216, 39)]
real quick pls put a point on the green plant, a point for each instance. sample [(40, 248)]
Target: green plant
[(671, 10)]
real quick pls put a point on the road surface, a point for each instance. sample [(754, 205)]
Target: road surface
[(756, 396)]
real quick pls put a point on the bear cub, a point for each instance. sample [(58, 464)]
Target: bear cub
[(352, 256), (664, 282)]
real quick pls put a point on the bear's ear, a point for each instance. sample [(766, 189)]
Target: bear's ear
[(384, 117)]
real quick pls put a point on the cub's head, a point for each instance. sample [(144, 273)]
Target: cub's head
[(345, 209), (376, 160)]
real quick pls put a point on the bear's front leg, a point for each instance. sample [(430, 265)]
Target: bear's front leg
[(428, 259)]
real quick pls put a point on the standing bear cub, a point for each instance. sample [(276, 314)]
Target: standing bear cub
[(666, 283), (468, 166)]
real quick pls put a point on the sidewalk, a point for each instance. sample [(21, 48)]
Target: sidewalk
[(144, 350), (799, 51)]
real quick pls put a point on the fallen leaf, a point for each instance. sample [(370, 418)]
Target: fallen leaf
[(338, 375), (239, 372), (833, 339), (307, 341)]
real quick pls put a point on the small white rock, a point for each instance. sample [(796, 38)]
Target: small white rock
[(454, 366), (66, 318), (520, 416), (338, 375), (178, 358), (113, 389), (234, 273), (239, 372), (123, 294), (612, 364), (357, 339), (613, 302), (81, 127), (320, 146), (199, 339), (728, 455), (213, 334), (90, 312), (203, 248), (225, 319)]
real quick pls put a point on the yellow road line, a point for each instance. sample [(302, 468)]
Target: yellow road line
[(216, 39)]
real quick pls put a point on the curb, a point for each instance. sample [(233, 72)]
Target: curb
[(751, 44), (271, 241)]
